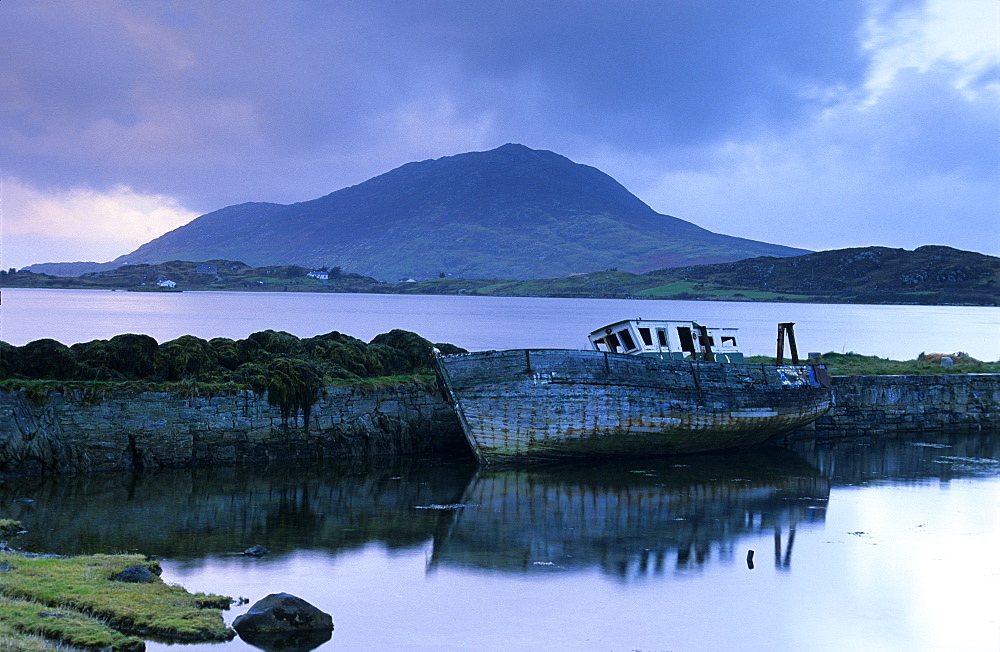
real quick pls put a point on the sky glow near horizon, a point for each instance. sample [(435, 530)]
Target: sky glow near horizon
[(815, 125)]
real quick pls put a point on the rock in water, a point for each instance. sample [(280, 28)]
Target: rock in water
[(280, 613), (135, 575), (256, 551)]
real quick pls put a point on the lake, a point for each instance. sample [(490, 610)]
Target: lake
[(880, 545), (477, 323), (887, 545)]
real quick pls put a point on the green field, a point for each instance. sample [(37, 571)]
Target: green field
[(684, 288)]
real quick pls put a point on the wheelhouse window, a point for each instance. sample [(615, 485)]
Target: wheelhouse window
[(661, 337), (627, 340), (646, 336), (687, 340), (612, 341)]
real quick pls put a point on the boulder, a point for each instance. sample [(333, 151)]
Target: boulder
[(135, 575), (282, 613)]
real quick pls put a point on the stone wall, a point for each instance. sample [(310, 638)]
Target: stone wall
[(127, 430), (881, 405), (122, 430)]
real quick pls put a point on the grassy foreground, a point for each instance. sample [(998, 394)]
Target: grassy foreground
[(73, 601)]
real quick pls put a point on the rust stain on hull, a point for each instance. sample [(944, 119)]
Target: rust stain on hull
[(552, 403)]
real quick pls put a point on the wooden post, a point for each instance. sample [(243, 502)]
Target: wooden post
[(787, 328), (706, 341)]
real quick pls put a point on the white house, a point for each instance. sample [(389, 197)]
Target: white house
[(166, 283), (319, 275)]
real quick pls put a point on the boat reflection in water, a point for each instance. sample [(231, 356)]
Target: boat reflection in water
[(631, 519), (628, 518)]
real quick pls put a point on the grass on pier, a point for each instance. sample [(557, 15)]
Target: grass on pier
[(72, 600), (855, 364)]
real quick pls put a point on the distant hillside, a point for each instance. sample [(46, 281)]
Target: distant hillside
[(929, 275), (70, 269), (208, 275), (512, 212)]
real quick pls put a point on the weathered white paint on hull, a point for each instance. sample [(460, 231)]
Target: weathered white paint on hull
[(551, 403)]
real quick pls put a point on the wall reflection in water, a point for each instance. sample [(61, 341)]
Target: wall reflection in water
[(186, 514), (628, 519)]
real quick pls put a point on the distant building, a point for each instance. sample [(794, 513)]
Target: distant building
[(166, 283), (319, 275)]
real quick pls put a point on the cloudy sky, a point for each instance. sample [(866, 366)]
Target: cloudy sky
[(814, 124)]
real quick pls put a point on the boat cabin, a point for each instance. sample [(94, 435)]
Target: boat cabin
[(681, 340)]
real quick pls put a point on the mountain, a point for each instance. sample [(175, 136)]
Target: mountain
[(511, 212)]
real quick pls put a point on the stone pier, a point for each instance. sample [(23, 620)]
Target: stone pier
[(119, 430), (893, 405)]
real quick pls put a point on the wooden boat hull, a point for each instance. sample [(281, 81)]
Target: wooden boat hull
[(558, 403)]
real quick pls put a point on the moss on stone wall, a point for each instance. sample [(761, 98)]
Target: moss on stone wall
[(132, 357), (289, 369)]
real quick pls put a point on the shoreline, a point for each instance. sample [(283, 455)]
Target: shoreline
[(734, 298), (84, 602)]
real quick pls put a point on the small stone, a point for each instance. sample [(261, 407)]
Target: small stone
[(135, 575), (256, 551)]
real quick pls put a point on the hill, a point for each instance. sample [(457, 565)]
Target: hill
[(78, 268), (929, 275), (512, 212), (209, 275)]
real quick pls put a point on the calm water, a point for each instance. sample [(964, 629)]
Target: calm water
[(899, 332), (880, 546)]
